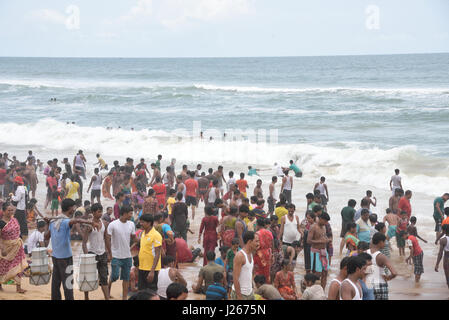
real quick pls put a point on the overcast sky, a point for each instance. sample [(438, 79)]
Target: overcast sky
[(221, 28)]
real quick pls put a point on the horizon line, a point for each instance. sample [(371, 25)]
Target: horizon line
[(224, 57)]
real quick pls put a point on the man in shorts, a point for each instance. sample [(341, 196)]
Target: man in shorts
[(271, 198), (203, 186), (220, 177), (120, 233), (191, 192)]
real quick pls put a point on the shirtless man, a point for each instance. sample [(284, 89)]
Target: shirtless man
[(220, 177), (272, 197), (184, 173), (393, 220), (369, 195), (318, 240), (156, 173), (181, 187), (203, 186), (258, 189), (393, 203)]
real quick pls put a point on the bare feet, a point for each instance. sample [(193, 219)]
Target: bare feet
[(20, 290)]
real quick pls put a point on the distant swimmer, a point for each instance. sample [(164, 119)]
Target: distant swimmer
[(395, 182)]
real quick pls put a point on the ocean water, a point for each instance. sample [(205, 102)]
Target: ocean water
[(355, 118)]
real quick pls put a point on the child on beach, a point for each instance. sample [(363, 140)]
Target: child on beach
[(412, 230), (216, 291), (222, 258), (351, 239), (393, 221), (55, 203), (313, 291), (416, 254), (400, 230), (36, 238)]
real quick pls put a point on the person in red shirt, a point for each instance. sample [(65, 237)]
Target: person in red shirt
[(52, 185), (242, 184), (191, 192), (416, 253), (161, 192), (404, 204)]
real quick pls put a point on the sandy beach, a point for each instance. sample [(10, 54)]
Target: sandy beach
[(431, 287)]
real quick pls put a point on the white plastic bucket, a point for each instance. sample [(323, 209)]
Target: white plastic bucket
[(40, 262), (88, 276), (87, 259), (88, 268), (41, 269), (39, 253)]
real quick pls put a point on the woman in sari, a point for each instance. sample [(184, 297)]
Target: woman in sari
[(12, 255), (227, 229), (285, 282), (263, 256), (209, 225), (106, 188)]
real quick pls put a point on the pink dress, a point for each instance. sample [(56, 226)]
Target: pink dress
[(15, 261)]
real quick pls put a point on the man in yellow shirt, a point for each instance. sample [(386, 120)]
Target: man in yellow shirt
[(149, 254), (73, 188), (281, 210)]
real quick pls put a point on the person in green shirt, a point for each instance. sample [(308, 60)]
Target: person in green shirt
[(438, 216), (294, 167), (347, 216), (158, 162), (252, 171), (229, 262)]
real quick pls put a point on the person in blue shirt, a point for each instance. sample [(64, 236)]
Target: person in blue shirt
[(221, 259), (59, 233), (367, 293), (217, 291)]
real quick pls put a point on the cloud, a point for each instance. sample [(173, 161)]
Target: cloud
[(143, 8), (48, 15), (177, 13)]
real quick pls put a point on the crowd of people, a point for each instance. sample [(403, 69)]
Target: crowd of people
[(142, 238)]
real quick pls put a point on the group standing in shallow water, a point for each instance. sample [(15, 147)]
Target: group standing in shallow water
[(144, 235)]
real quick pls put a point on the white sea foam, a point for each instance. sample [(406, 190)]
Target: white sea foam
[(342, 90), (345, 162), (89, 83)]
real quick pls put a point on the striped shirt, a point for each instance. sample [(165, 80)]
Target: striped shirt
[(216, 292)]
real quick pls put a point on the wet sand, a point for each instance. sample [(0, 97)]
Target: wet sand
[(431, 287)]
